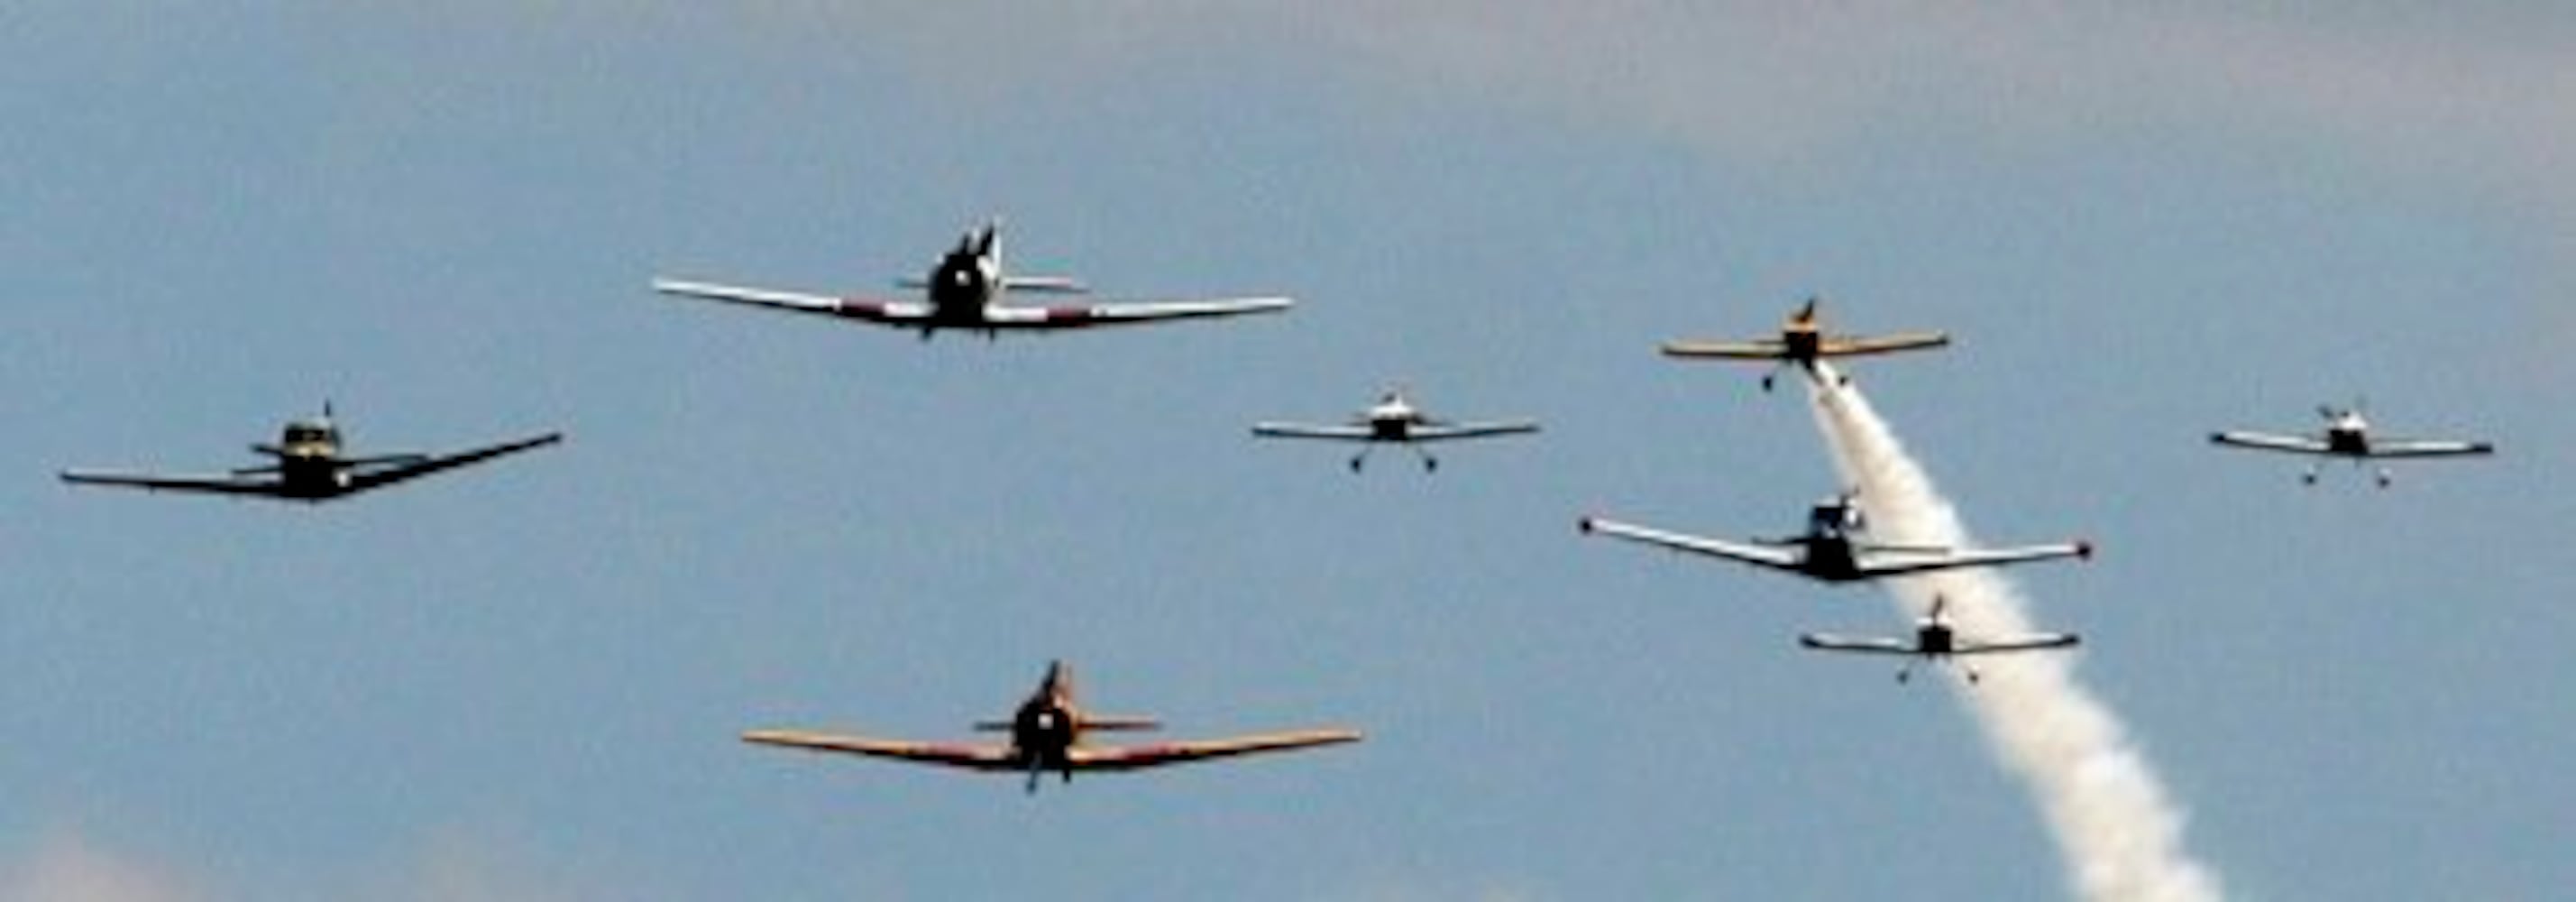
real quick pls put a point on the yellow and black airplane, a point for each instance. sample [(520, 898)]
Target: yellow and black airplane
[(1047, 734), (308, 467), (1803, 342)]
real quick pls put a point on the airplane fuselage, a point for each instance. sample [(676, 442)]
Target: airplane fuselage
[(1800, 345), (308, 461), (2347, 439), (311, 476), (960, 287), (1830, 558), (1391, 428), (1935, 640), (1392, 420), (1043, 732)]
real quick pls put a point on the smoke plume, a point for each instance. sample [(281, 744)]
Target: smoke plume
[(2120, 834)]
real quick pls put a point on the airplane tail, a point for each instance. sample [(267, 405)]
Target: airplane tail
[(986, 240), (1806, 314)]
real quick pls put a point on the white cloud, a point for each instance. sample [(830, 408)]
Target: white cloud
[(63, 867), (457, 865)]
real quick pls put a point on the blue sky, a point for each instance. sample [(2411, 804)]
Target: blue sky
[(524, 682)]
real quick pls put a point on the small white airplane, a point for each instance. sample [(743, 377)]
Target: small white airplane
[(2347, 435), (966, 289), (1394, 420), (308, 467), (1937, 642), (1047, 734), (1832, 550), (1803, 343)]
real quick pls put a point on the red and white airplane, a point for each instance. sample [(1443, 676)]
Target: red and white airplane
[(1937, 642), (1803, 342), (2347, 435), (1394, 420), (1833, 550), (1047, 734), (307, 466), (966, 290)]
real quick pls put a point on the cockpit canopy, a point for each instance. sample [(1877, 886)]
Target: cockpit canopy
[(1834, 518), (307, 433)]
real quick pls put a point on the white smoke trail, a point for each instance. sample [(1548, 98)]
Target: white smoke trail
[(2121, 836)]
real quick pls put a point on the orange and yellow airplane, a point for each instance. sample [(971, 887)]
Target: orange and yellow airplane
[(1802, 341), (1047, 734)]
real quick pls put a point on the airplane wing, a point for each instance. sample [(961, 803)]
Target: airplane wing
[(218, 485), (1860, 345), (1136, 757), (970, 757), (1866, 644), (2034, 642), (1902, 562), (1124, 313), (1434, 432), (1313, 430), (1762, 349), (410, 466), (2403, 447), (1772, 556), (895, 313), (2264, 441)]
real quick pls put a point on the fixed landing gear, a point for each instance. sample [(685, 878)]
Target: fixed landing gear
[(2385, 478), (1769, 378), (1430, 464), (2309, 477)]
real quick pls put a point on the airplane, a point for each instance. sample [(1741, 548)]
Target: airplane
[(1802, 342), (307, 466), (2347, 434), (966, 289), (1831, 550), (1937, 642), (1047, 734), (1394, 420)]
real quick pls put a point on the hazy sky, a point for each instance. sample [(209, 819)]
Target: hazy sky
[(523, 682)]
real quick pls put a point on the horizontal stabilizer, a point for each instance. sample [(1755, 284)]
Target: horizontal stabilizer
[(1045, 284)]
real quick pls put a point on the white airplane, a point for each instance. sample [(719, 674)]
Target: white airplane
[(1394, 420), (1937, 642), (308, 467), (1803, 343), (1832, 551), (966, 289), (2347, 434), (1048, 733)]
